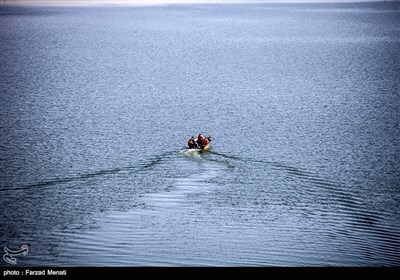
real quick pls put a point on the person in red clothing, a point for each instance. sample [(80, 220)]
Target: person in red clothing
[(205, 142), (200, 140), (191, 143)]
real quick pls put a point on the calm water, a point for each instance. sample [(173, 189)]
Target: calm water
[(97, 104)]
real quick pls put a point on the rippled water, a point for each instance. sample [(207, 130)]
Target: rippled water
[(97, 104)]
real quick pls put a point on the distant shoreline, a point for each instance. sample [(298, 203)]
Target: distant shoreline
[(171, 2)]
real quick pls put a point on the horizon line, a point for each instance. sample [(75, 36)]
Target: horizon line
[(170, 2)]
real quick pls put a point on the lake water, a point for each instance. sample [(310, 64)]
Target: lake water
[(302, 101)]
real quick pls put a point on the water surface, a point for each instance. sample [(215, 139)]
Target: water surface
[(302, 100)]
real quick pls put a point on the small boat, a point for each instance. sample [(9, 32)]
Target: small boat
[(203, 148)]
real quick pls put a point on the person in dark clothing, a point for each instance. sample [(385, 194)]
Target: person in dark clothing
[(191, 143)]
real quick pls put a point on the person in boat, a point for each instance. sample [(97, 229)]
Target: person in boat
[(191, 143), (205, 142), (200, 140)]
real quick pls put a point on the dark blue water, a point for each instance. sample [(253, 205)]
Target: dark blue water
[(302, 100)]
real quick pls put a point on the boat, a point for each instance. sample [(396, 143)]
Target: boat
[(205, 148)]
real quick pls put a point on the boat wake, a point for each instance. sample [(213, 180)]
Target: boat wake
[(191, 153)]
